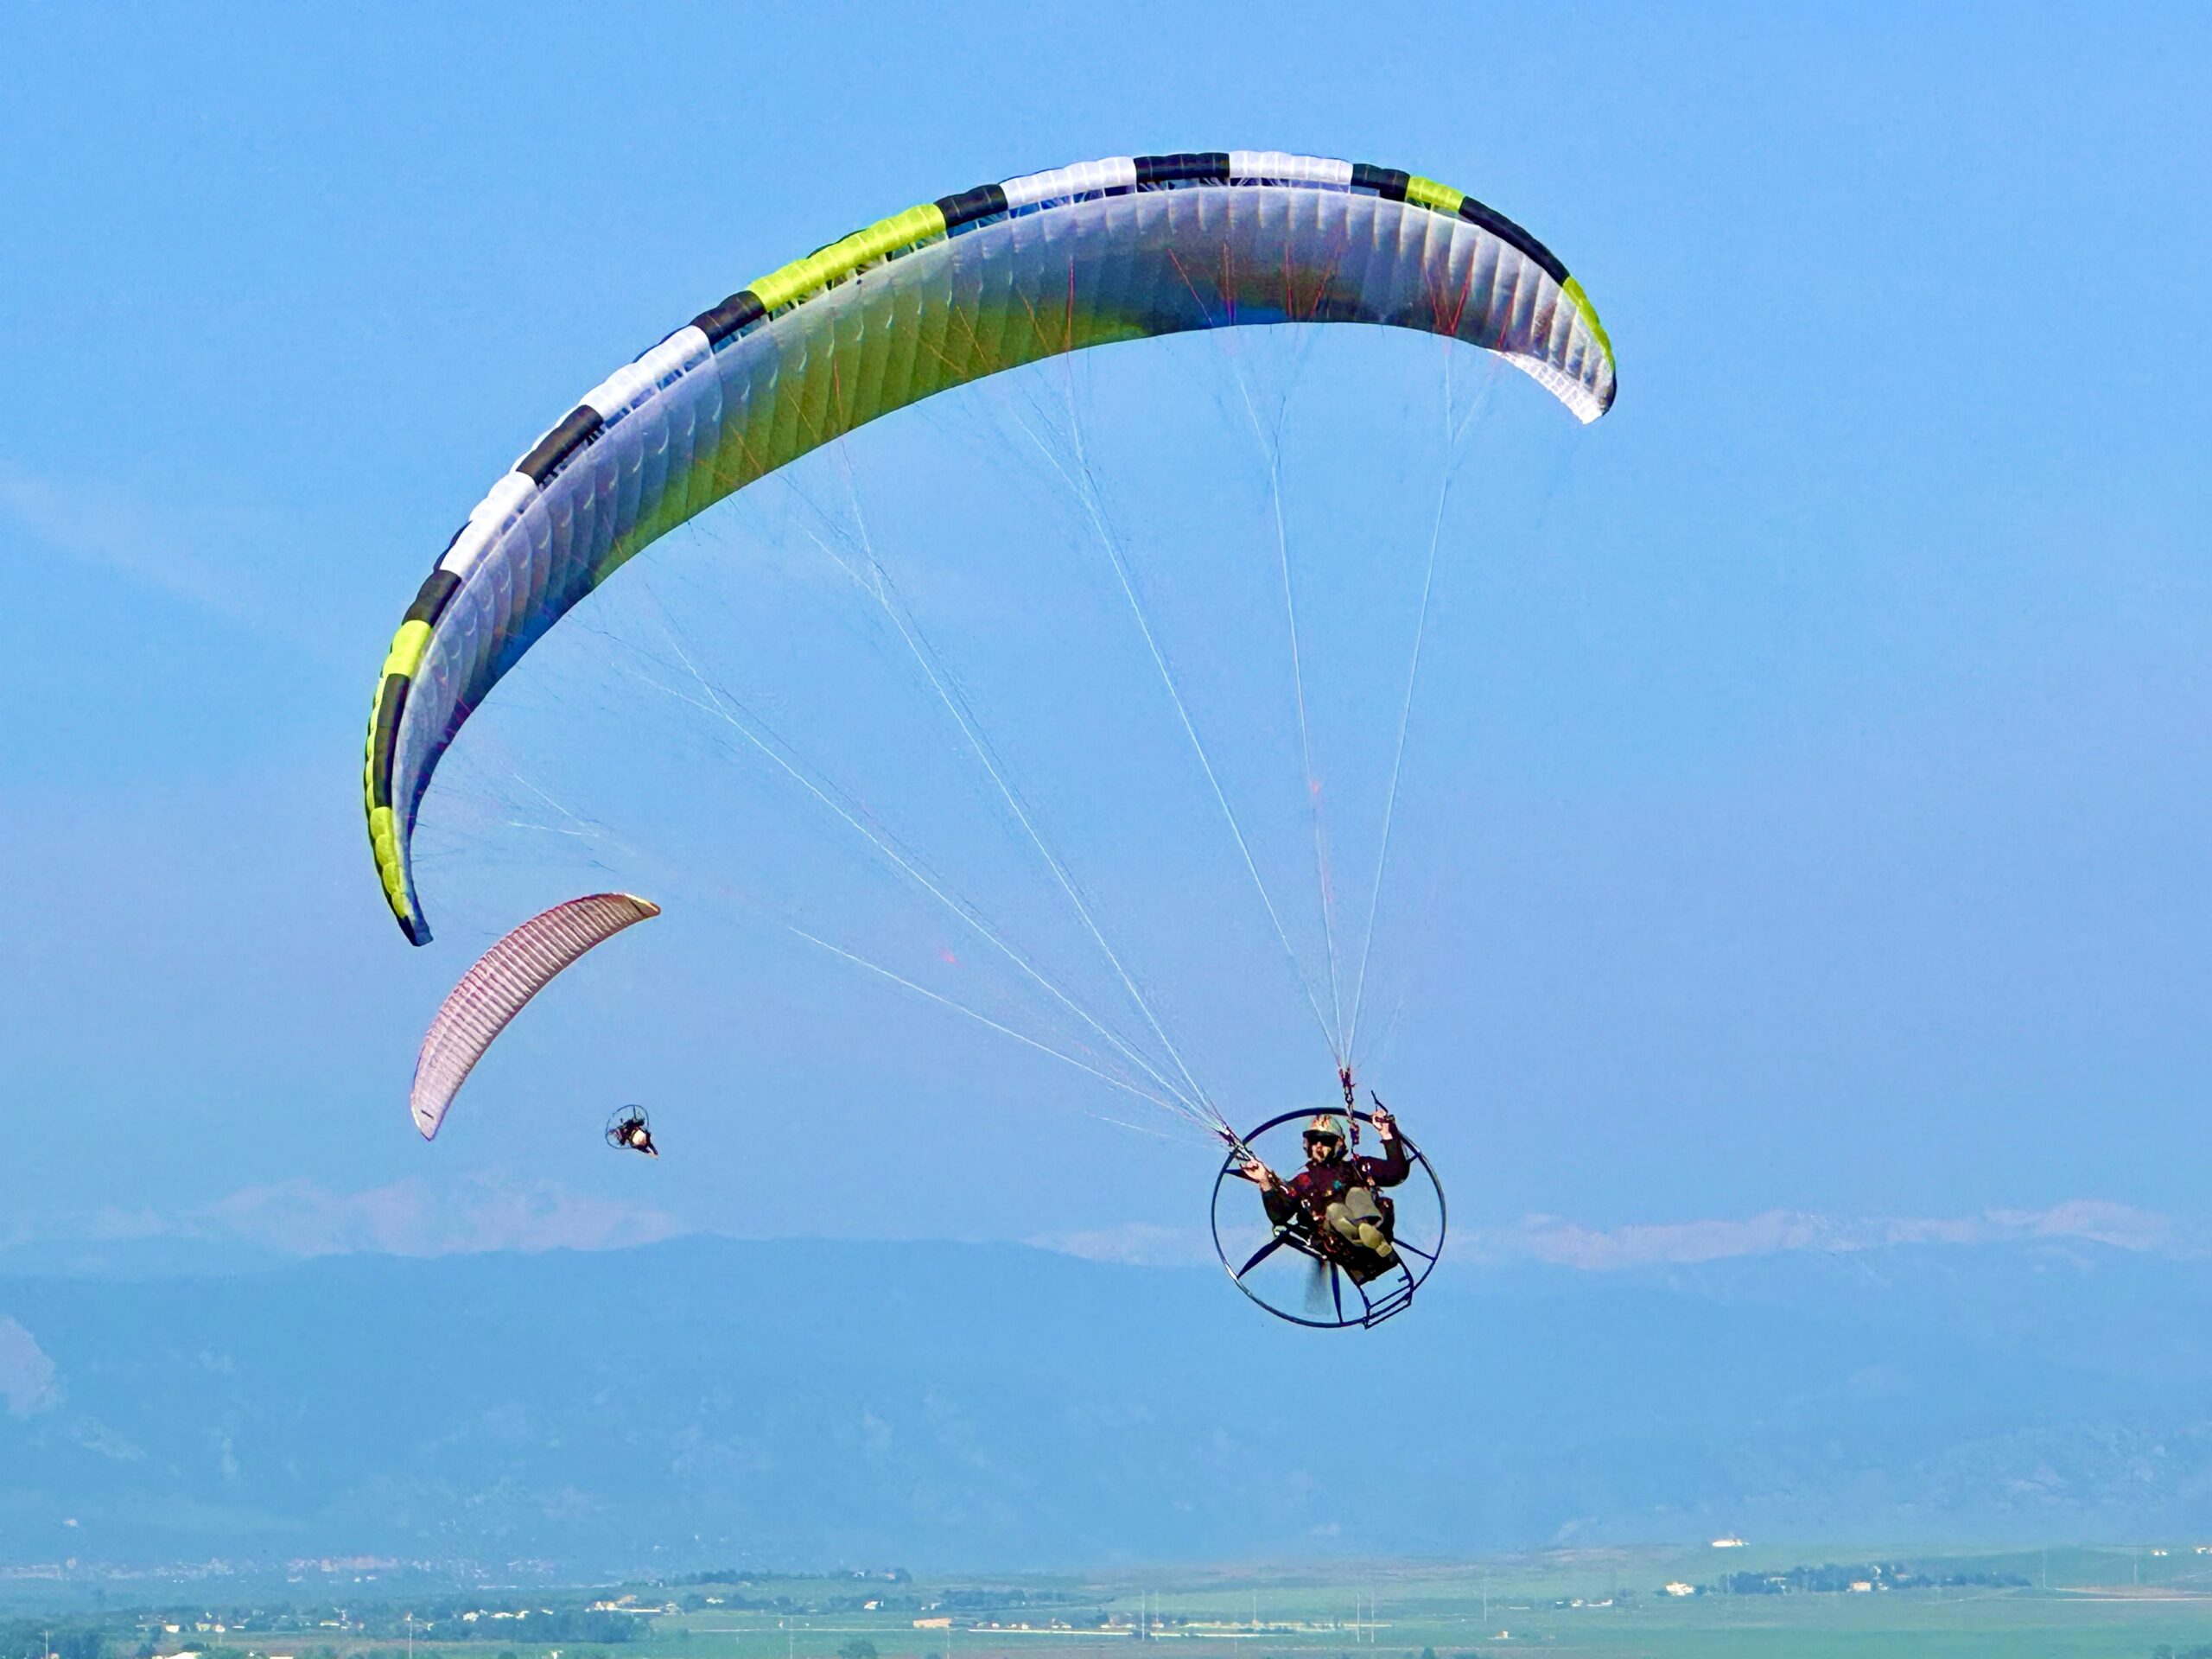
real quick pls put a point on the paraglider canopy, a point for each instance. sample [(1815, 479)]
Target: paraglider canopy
[(942, 294)]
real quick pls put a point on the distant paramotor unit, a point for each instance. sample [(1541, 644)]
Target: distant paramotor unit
[(630, 1128), (501, 985)]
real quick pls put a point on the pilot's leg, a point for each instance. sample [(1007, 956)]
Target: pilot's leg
[(1356, 1218)]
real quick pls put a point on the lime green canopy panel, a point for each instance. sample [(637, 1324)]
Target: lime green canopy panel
[(1125, 249)]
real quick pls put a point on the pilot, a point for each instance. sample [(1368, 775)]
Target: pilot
[(1338, 1195)]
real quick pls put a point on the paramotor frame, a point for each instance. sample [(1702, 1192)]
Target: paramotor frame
[(1290, 1274), (622, 1125)]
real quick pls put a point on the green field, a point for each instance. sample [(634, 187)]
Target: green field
[(1596, 1603), (2060, 1602)]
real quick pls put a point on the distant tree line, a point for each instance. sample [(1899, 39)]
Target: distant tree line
[(738, 1576), (1829, 1578), (737, 1601), (953, 1599), (439, 1618), (985, 1601), (443, 1621), (562, 1627), (26, 1638)]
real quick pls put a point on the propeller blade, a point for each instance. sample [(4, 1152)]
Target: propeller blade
[(1264, 1253)]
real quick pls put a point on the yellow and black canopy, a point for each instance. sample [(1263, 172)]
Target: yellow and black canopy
[(942, 293)]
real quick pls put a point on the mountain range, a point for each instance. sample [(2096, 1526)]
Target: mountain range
[(707, 1400)]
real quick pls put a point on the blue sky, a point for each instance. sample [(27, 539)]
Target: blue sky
[(1844, 849)]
